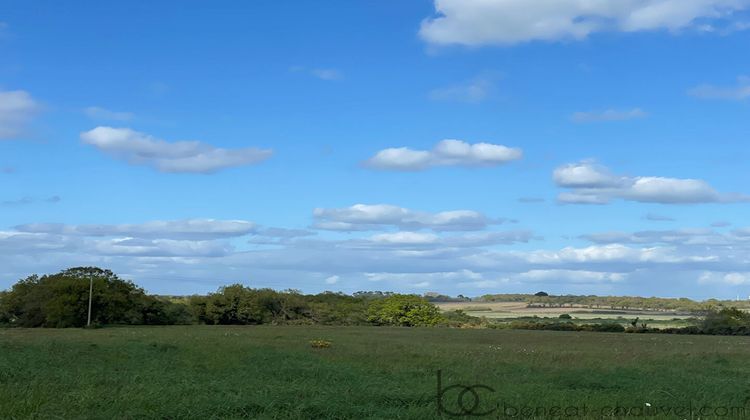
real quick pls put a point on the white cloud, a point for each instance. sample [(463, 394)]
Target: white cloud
[(586, 174), (379, 216), (739, 92), (445, 153), (507, 22), (191, 229), (97, 113), (159, 248), (202, 254), (591, 183), (473, 91), (683, 237), (614, 253), (608, 115), (17, 107), (332, 279), (406, 238), (732, 279), (176, 157)]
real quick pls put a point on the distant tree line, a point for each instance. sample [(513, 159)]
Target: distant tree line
[(615, 302), (715, 321), (61, 300)]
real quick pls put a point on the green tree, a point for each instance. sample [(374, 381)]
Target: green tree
[(404, 310), (61, 300)]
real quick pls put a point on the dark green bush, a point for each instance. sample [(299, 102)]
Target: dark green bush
[(566, 326), (458, 318), (726, 321)]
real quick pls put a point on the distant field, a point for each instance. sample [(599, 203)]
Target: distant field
[(513, 310), (369, 372)]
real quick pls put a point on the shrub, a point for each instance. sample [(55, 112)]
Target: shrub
[(566, 326), (726, 321), (565, 316), (459, 319), (607, 327)]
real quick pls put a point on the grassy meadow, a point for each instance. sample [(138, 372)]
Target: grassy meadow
[(181, 372)]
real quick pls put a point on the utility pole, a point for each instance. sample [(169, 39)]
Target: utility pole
[(91, 292)]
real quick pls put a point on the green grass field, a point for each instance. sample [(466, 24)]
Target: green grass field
[(369, 372)]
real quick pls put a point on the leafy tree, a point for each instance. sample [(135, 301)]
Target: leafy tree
[(404, 310), (61, 300)]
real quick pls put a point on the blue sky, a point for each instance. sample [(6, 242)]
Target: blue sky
[(454, 146)]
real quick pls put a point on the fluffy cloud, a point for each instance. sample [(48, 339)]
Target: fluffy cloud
[(445, 153), (733, 279), (507, 22), (199, 255), (177, 157), (379, 216), (608, 115), (16, 109), (97, 113), (332, 279), (592, 183), (739, 92), (611, 254)]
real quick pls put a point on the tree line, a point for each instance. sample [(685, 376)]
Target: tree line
[(715, 321), (61, 300), (615, 302)]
